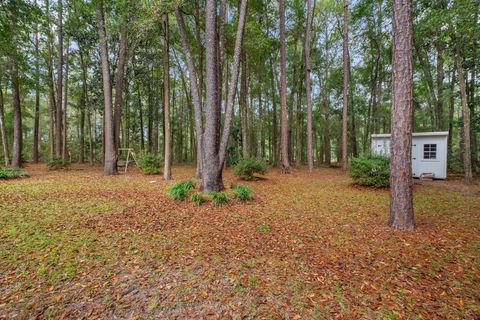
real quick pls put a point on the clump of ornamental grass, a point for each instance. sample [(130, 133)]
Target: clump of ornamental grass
[(242, 192), (219, 198), (179, 190), (197, 199)]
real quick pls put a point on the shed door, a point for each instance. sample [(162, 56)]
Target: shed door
[(416, 157)]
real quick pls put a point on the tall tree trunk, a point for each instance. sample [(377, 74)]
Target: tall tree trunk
[(232, 88), (283, 90), (51, 90), (17, 116), (467, 156), (211, 175), (346, 80), (244, 107), (308, 87), (440, 78), (167, 171), (65, 104), (451, 110), (83, 105), (196, 91), (36, 121), (401, 193), (110, 156), (142, 126), (91, 142), (59, 113), (119, 80), (273, 94), (3, 131)]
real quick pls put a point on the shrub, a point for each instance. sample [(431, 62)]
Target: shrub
[(219, 198), (179, 190), (197, 198), (12, 173), (371, 171), (246, 167), (149, 163), (57, 163), (243, 192)]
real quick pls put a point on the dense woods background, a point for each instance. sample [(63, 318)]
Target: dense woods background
[(57, 58)]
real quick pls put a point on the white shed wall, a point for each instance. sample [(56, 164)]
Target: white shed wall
[(429, 152)]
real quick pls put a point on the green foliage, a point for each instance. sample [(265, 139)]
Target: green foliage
[(370, 170), (219, 198), (243, 192), (247, 167), (264, 227), (179, 190), (455, 164), (149, 163), (197, 198), (12, 173), (57, 163)]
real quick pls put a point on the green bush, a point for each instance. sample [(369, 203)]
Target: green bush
[(371, 171), (149, 163), (57, 163), (243, 192), (179, 190), (12, 173), (197, 198), (247, 167), (219, 198)]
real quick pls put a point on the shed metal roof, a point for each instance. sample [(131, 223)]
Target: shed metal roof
[(415, 134)]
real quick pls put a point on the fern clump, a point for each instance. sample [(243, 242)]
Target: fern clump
[(12, 173), (197, 199), (179, 190), (57, 163), (247, 167), (219, 198), (243, 192)]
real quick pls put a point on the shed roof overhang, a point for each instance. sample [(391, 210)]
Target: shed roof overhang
[(415, 134)]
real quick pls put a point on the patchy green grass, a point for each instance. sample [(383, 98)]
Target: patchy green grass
[(75, 244)]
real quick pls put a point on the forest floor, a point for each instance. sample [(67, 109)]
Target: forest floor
[(74, 244)]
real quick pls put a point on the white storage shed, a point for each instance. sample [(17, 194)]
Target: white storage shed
[(429, 152)]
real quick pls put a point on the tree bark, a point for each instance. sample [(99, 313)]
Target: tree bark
[(110, 156), (3, 131), (36, 121), (59, 113), (17, 116), (283, 90), (440, 78), (451, 110), (346, 80), (119, 81), (401, 193), (65, 104), (167, 171), (467, 154), (211, 175), (83, 105), (244, 107), (232, 89), (196, 93), (308, 87)]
